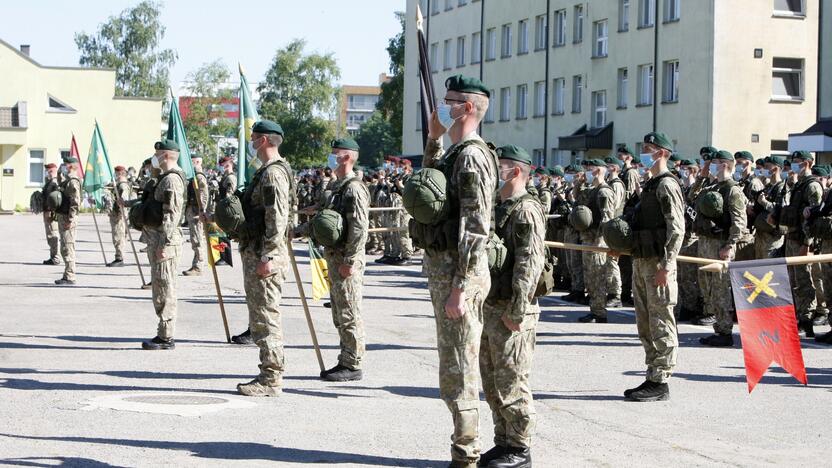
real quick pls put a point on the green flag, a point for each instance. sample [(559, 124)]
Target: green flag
[(247, 162), (176, 132), (98, 172)]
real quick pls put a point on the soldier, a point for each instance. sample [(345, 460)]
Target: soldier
[(658, 226), (196, 228), (702, 182), (614, 167), (50, 223), (164, 242), (122, 192), (544, 190), (631, 177), (689, 303), (68, 217), (768, 238), (405, 245), (345, 262), (751, 187), (601, 201), (555, 229), (458, 276), (574, 175), (510, 315)]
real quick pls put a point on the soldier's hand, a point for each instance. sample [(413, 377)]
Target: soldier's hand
[(726, 252), (661, 277), (435, 129), (160, 254), (761, 198), (804, 251), (613, 254), (264, 269), (455, 305), (345, 271), (509, 324)]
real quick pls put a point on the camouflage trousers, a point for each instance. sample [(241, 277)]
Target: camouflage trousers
[(163, 278), (196, 230), (403, 238), (118, 229), (613, 274), (826, 271), (391, 246), (766, 245), (716, 288), (373, 239), (689, 304), (50, 225), (596, 275), (505, 364), (345, 299), (820, 291), (264, 319), (66, 231), (803, 288), (654, 317), (625, 267), (574, 260)]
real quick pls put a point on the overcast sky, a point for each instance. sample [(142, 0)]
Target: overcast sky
[(200, 31)]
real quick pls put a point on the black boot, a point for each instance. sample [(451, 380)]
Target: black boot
[(630, 391), (718, 341), (825, 339), (573, 296), (806, 326), (328, 305), (157, 343), (592, 318), (69, 282), (513, 457), (115, 263), (397, 261), (243, 338), (704, 320), (383, 259), (652, 391), (52, 261), (627, 300), (820, 320), (613, 301), (341, 373), (496, 452)]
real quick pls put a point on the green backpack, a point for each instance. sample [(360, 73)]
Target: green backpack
[(425, 196), (618, 235), (327, 228), (229, 215)]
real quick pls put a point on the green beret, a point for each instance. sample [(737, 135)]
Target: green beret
[(464, 84), (556, 171), (760, 162), (264, 127), (514, 153), (671, 164), (659, 139), (820, 171), (146, 162), (723, 155), (196, 156), (625, 149), (70, 160), (706, 152), (345, 143), (804, 155), (541, 170), (676, 157), (779, 161), (166, 145), (744, 155), (574, 168), (594, 163), (615, 161)]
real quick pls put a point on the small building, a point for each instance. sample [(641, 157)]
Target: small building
[(356, 104), (41, 107)]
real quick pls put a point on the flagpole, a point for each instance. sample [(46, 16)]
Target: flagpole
[(211, 262), (305, 304), (97, 231), (127, 228)]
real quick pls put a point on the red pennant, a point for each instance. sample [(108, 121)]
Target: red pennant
[(770, 335)]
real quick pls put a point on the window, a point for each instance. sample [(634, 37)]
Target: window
[(671, 81), (787, 79), (645, 85), (578, 31), (540, 99), (671, 10), (523, 37), (462, 3), (446, 57), (577, 88), (600, 39), (489, 113), (780, 147), (538, 157), (623, 79), (558, 95), (460, 51), (541, 31), (491, 44), (599, 106), (449, 4), (64, 154), (560, 28), (522, 101), (36, 158), (423, 6), (623, 15), (646, 13), (505, 49), (434, 56), (476, 48), (418, 115), (56, 105), (789, 7), (561, 157), (434, 7), (505, 104)]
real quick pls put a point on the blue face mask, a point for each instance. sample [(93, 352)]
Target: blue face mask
[(764, 173), (332, 161), (443, 113), (647, 160), (713, 169), (569, 178), (796, 168), (590, 176), (738, 174)]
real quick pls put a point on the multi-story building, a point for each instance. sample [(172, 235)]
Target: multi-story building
[(228, 108), (42, 107), (574, 79), (356, 104)]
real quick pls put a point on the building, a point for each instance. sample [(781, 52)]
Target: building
[(574, 79), (356, 104), (818, 137), (229, 108)]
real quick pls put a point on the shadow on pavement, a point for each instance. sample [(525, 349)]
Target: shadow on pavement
[(395, 272), (55, 461), (817, 377), (370, 347), (550, 396), (416, 392)]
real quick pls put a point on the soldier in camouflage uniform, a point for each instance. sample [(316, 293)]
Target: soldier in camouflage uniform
[(822, 232), (751, 187), (50, 223), (374, 239), (122, 191), (555, 228), (510, 315), (574, 258), (768, 237), (544, 192), (405, 243), (196, 228), (458, 276), (164, 243), (614, 167), (346, 262), (704, 181), (689, 304), (632, 183), (68, 218)]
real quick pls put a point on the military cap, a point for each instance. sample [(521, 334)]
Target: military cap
[(614, 161), (723, 155), (228, 159), (146, 162), (804, 155), (166, 145), (264, 127), (744, 155), (779, 161), (706, 152), (464, 84), (687, 162), (594, 163), (820, 171), (760, 162), (50, 166), (514, 153), (625, 149), (406, 162), (675, 157), (346, 143), (119, 169), (541, 170), (196, 155), (659, 139), (556, 171), (70, 160)]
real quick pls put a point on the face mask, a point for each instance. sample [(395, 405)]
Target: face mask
[(64, 170), (796, 168), (738, 174), (590, 177), (641, 170), (569, 178), (765, 173), (443, 113), (537, 181), (647, 160), (154, 161), (683, 173), (332, 161), (713, 170)]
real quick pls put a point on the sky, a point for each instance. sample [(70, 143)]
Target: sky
[(200, 31)]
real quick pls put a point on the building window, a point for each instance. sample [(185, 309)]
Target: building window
[(623, 79), (787, 79), (599, 106), (561, 157), (476, 48), (460, 51), (422, 6), (418, 115), (538, 157), (645, 84), (523, 37), (462, 3), (434, 7), (671, 81), (434, 56), (780, 147), (449, 4), (558, 95), (623, 15), (578, 31), (522, 101), (790, 7), (491, 44), (671, 10), (505, 49), (56, 105), (540, 99), (447, 54), (489, 113), (577, 91), (646, 13), (541, 30), (560, 28), (505, 104), (600, 49), (36, 158)]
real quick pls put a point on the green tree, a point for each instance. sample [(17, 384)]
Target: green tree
[(377, 139), (129, 43), (299, 92), (392, 92), (205, 120)]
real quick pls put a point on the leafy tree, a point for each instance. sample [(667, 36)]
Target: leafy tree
[(377, 139), (392, 92), (130, 44), (206, 117)]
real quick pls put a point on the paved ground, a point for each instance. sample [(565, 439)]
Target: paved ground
[(66, 352)]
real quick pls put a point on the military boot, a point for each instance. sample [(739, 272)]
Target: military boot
[(718, 341), (243, 338), (69, 282), (704, 320), (825, 339), (193, 271), (651, 392), (513, 457), (52, 261), (157, 344), (630, 391), (116, 263), (257, 389), (592, 318), (341, 373), (383, 259), (573, 296), (806, 326), (613, 301), (496, 452), (820, 320), (148, 285)]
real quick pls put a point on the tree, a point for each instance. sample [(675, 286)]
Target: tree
[(206, 118), (392, 92), (299, 93), (377, 139), (129, 43)]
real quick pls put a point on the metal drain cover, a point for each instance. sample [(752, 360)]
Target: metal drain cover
[(176, 400), (181, 404)]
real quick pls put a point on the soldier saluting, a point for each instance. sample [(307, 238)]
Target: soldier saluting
[(68, 217), (50, 223), (122, 192)]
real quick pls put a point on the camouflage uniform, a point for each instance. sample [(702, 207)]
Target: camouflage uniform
[(50, 223), (116, 215), (401, 240), (67, 223), (464, 267), (352, 199), (632, 183), (374, 239), (596, 274), (196, 228), (689, 303), (612, 269), (807, 193), (506, 355), (574, 258), (767, 244)]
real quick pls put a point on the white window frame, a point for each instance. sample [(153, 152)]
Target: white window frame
[(523, 36), (505, 104), (539, 157), (646, 81), (560, 28), (449, 4), (462, 3), (782, 70), (790, 13), (418, 115), (623, 15), (646, 13), (541, 29), (434, 57), (540, 98), (489, 112), (460, 51), (558, 96), (671, 81), (434, 7), (505, 41), (672, 10), (522, 101), (476, 48), (32, 160), (578, 28), (491, 44), (447, 54), (601, 29), (623, 81), (577, 93), (599, 108)]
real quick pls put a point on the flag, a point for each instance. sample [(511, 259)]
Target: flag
[(426, 91), (220, 245), (765, 312), (247, 162), (320, 273), (176, 132), (98, 172), (73, 152)]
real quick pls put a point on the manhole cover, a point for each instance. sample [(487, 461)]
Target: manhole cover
[(176, 400), (182, 404)]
